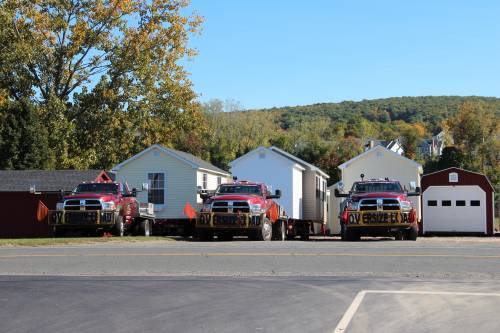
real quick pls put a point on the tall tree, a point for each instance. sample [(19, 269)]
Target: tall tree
[(119, 57)]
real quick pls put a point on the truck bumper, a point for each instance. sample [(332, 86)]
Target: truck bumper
[(229, 221), (381, 229), (83, 218)]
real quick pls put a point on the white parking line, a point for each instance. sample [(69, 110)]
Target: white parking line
[(351, 310)]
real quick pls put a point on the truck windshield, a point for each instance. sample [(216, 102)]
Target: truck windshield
[(376, 187), (239, 189), (97, 188)]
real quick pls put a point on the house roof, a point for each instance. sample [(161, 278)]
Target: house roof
[(47, 180), (268, 150), (299, 161), (190, 159), (380, 148)]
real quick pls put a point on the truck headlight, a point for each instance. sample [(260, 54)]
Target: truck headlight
[(353, 205), (60, 206), (108, 205), (255, 208)]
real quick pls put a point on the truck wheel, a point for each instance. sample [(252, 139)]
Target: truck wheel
[(145, 228), (266, 231), (119, 229), (412, 234), (399, 235)]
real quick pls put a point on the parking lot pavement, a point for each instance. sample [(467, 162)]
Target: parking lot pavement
[(246, 286), (421, 311)]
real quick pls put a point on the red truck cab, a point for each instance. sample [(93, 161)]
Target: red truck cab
[(239, 208), (378, 207)]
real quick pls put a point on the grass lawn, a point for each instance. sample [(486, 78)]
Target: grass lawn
[(9, 242)]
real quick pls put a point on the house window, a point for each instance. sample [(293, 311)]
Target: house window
[(475, 203), (460, 203), (446, 203), (317, 187), (204, 183), (156, 192), (219, 180), (432, 203)]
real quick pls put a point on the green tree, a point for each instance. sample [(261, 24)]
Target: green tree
[(92, 65)]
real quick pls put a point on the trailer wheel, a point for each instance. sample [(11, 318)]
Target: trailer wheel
[(266, 231), (145, 228), (119, 228), (411, 234)]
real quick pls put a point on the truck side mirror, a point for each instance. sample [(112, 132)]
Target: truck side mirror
[(416, 193), (134, 192), (276, 195)]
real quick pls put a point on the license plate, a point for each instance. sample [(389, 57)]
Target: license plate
[(393, 217)]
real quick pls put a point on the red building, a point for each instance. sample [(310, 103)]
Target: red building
[(27, 195), (457, 201)]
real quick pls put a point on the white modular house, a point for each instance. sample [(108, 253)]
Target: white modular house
[(173, 177), (303, 185), (379, 162)]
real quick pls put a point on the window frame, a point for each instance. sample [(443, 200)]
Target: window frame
[(157, 206)]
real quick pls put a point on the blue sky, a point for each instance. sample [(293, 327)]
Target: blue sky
[(278, 53)]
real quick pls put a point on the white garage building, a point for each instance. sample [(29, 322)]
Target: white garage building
[(457, 201)]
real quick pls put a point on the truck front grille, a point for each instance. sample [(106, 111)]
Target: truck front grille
[(379, 204), (230, 207), (84, 204)]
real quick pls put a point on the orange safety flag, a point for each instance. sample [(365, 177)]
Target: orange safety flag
[(189, 211), (273, 213), (41, 212)]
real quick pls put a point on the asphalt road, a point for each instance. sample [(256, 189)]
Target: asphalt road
[(445, 285)]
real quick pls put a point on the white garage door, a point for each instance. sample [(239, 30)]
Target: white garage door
[(454, 209)]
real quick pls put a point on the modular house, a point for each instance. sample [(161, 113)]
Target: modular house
[(379, 162), (303, 185), (173, 177)]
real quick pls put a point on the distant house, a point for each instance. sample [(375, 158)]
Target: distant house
[(393, 145), (431, 147), (303, 185), (26, 195), (173, 177), (379, 162)]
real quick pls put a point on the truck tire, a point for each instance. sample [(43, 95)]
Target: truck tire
[(119, 228), (412, 234), (266, 230), (145, 228)]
